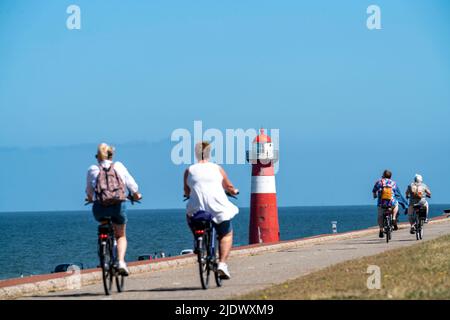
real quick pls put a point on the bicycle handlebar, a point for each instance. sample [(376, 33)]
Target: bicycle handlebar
[(232, 195), (129, 198), (227, 193)]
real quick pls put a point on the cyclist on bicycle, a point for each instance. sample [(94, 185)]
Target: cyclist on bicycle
[(417, 194), (115, 210), (385, 189), (206, 184)]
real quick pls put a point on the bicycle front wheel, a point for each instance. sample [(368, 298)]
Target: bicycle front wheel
[(120, 282), (203, 263)]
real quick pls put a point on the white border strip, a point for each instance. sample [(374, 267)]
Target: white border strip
[(263, 184)]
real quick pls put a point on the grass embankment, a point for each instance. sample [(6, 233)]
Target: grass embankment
[(421, 271)]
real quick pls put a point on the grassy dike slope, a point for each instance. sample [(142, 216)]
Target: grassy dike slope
[(420, 271)]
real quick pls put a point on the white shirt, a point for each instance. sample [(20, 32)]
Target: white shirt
[(94, 171), (207, 193)]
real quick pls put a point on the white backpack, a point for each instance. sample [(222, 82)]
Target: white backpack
[(417, 191)]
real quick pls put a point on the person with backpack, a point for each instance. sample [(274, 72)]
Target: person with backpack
[(106, 186), (417, 193), (385, 190)]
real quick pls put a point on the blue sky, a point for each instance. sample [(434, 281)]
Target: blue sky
[(348, 101)]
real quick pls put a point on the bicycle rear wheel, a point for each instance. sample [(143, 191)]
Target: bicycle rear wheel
[(417, 229), (105, 262), (387, 229), (420, 233), (203, 261)]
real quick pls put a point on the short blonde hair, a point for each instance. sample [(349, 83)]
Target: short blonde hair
[(203, 150), (105, 152)]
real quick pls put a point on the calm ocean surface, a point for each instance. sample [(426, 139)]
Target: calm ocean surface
[(35, 242)]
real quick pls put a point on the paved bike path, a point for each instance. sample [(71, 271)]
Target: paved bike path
[(252, 272)]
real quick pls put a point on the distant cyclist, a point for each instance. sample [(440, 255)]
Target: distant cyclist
[(205, 183), (417, 193), (385, 190), (106, 186)]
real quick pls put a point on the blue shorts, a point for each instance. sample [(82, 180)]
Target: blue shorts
[(117, 212), (223, 228)]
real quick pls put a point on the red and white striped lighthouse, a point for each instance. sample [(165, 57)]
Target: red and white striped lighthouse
[(264, 226)]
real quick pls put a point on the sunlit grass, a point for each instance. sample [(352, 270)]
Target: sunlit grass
[(421, 271)]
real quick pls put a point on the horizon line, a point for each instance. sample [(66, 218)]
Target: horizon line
[(167, 209)]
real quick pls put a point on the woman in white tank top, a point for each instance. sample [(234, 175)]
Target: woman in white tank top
[(205, 184)]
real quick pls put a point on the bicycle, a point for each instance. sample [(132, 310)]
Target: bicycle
[(420, 215), (388, 222), (206, 242), (107, 253)]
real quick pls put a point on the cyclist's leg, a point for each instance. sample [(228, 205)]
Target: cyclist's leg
[(395, 216), (380, 218), (411, 215), (225, 234), (412, 218), (395, 212), (120, 234), (119, 219), (225, 243)]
